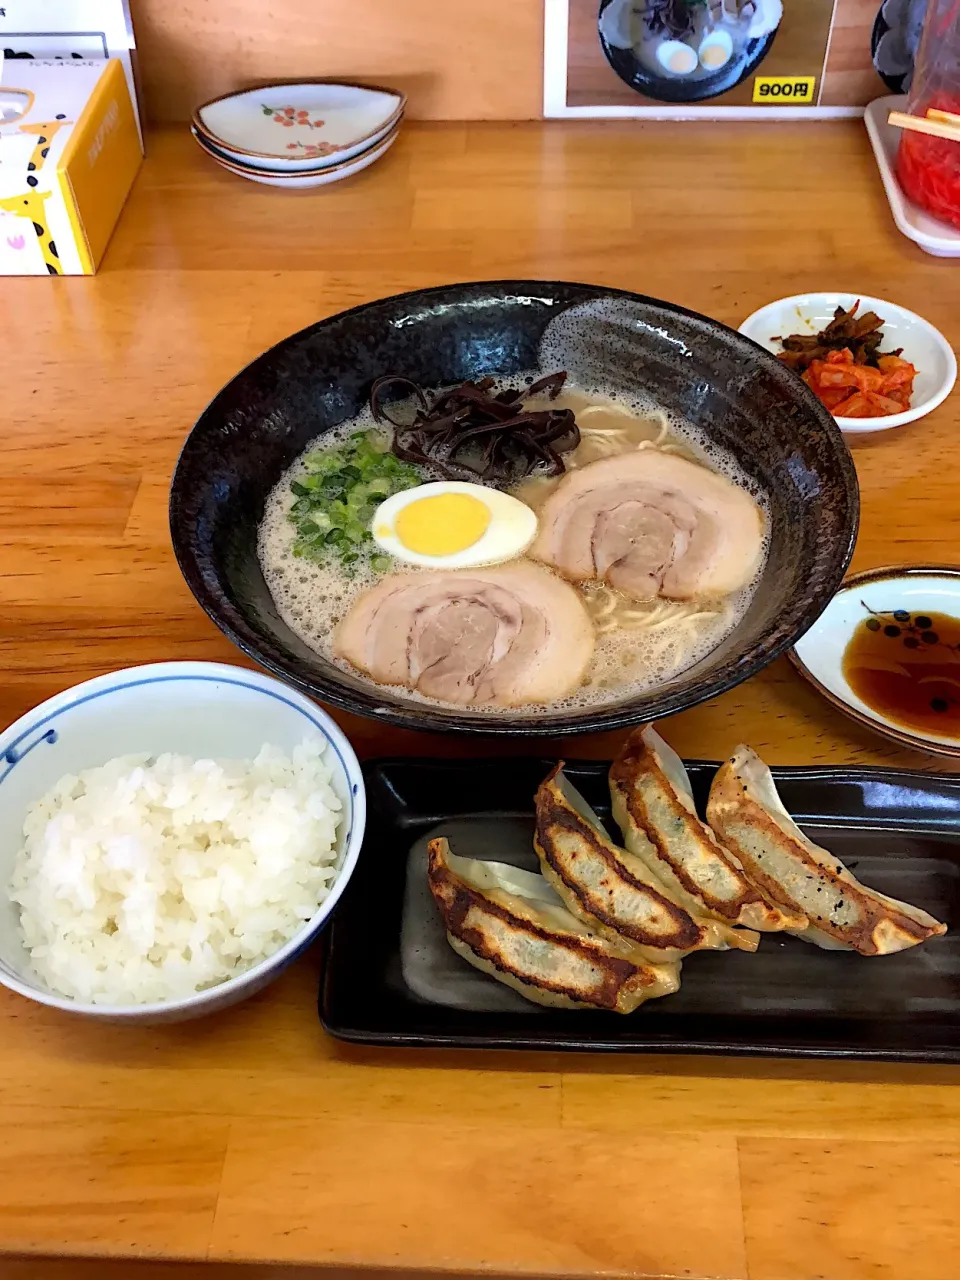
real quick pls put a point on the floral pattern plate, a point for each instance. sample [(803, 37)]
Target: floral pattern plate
[(293, 127), (897, 599), (299, 180)]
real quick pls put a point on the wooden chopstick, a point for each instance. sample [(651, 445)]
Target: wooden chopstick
[(945, 117), (920, 124)]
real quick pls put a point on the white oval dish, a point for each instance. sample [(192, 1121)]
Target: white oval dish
[(818, 655), (297, 127), (301, 181), (923, 345), (200, 709)]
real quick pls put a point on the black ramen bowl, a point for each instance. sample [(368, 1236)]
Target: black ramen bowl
[(740, 397)]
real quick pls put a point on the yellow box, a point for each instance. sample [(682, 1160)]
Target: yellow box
[(69, 152), (785, 91)]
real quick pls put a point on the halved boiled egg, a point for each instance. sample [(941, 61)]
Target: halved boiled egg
[(677, 58), (716, 50), (452, 524)]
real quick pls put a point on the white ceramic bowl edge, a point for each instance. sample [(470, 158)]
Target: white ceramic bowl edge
[(199, 709)]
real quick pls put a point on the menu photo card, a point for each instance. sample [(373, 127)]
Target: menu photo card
[(740, 59)]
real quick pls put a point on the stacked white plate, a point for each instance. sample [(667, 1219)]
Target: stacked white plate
[(300, 135)]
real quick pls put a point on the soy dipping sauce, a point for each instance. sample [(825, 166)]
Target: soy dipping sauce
[(906, 667)]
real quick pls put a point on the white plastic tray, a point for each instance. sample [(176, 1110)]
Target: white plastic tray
[(932, 235)]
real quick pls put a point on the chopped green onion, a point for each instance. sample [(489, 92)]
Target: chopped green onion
[(337, 495)]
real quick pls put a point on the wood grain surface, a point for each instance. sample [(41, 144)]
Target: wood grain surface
[(850, 78), (250, 1136), (467, 60)]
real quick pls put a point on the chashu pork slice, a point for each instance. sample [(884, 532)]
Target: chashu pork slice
[(500, 636), (654, 808), (748, 815), (510, 924), (651, 523), (612, 891)]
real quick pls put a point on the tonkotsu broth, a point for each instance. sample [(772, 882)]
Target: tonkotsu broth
[(640, 644)]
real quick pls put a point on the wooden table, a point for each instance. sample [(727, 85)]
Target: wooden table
[(251, 1136)]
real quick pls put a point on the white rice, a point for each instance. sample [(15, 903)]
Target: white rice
[(146, 880)]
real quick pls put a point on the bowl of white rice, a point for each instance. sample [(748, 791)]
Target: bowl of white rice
[(172, 836)]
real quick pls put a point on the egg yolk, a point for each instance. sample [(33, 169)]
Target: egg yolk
[(442, 524)]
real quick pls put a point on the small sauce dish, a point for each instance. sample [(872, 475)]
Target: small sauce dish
[(886, 651), (924, 346)]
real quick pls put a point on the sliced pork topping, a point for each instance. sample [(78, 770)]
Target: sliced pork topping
[(650, 523), (502, 636)]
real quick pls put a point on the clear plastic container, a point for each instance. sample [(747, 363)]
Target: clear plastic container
[(928, 168)]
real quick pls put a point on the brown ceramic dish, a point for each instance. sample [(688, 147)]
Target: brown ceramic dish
[(741, 398)]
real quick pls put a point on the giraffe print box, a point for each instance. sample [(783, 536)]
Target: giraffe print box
[(69, 152)]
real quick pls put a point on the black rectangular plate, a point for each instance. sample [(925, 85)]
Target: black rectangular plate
[(898, 831)]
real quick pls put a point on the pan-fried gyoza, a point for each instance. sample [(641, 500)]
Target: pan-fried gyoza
[(509, 924), (653, 806), (747, 813), (607, 928), (612, 891)]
